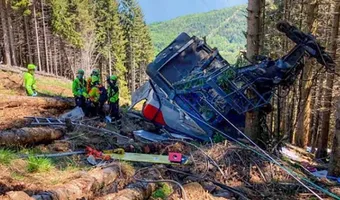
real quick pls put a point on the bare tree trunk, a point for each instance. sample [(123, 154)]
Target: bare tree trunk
[(299, 86), (36, 35), (45, 37), (50, 59), (278, 116), (316, 115), (334, 167), (303, 127), (55, 55), (110, 58), (10, 34), (29, 51), (288, 114), (327, 92), (7, 58), (252, 126), (141, 69), (133, 70)]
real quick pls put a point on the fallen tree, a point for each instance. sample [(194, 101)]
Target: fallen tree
[(30, 136), (134, 191), (83, 187), (8, 101)]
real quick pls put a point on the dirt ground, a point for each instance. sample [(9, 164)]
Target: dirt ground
[(12, 85), (216, 171)]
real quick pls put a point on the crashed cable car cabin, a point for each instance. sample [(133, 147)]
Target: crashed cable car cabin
[(193, 91)]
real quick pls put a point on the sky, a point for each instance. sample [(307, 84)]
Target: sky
[(162, 10)]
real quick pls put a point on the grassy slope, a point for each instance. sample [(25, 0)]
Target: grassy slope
[(223, 28), (12, 84)]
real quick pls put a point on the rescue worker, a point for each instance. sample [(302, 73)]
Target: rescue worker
[(29, 80), (113, 96), (79, 89), (93, 97), (95, 72), (102, 99)]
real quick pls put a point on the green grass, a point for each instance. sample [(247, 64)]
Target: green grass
[(56, 82), (163, 191), (30, 151), (17, 176), (217, 138), (6, 156), (39, 164)]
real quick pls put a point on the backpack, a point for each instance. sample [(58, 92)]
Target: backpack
[(103, 94)]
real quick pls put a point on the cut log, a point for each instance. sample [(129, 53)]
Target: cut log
[(84, 187), (135, 191), (8, 101), (16, 195), (300, 150), (195, 191), (30, 136)]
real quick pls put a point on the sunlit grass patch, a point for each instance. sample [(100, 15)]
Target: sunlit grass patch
[(6, 156), (39, 164), (163, 191)]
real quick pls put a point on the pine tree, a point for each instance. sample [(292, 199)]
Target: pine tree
[(7, 58), (328, 90), (111, 41), (303, 129), (253, 126)]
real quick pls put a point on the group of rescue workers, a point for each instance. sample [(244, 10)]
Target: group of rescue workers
[(89, 94)]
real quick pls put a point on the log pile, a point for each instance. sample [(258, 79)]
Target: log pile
[(83, 187)]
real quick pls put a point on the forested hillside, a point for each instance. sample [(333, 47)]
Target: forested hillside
[(62, 36), (223, 29)]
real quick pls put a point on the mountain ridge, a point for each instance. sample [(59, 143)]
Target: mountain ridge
[(224, 29)]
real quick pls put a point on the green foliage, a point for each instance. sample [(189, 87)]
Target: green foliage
[(6, 156), (218, 137), (22, 5), (111, 41), (163, 191), (64, 21), (39, 164), (139, 47), (109, 34), (224, 29)]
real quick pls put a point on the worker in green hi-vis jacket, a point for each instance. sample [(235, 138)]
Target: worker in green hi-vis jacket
[(79, 89), (29, 80), (113, 96)]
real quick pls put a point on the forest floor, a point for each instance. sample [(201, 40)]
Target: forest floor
[(213, 167), (11, 86)]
